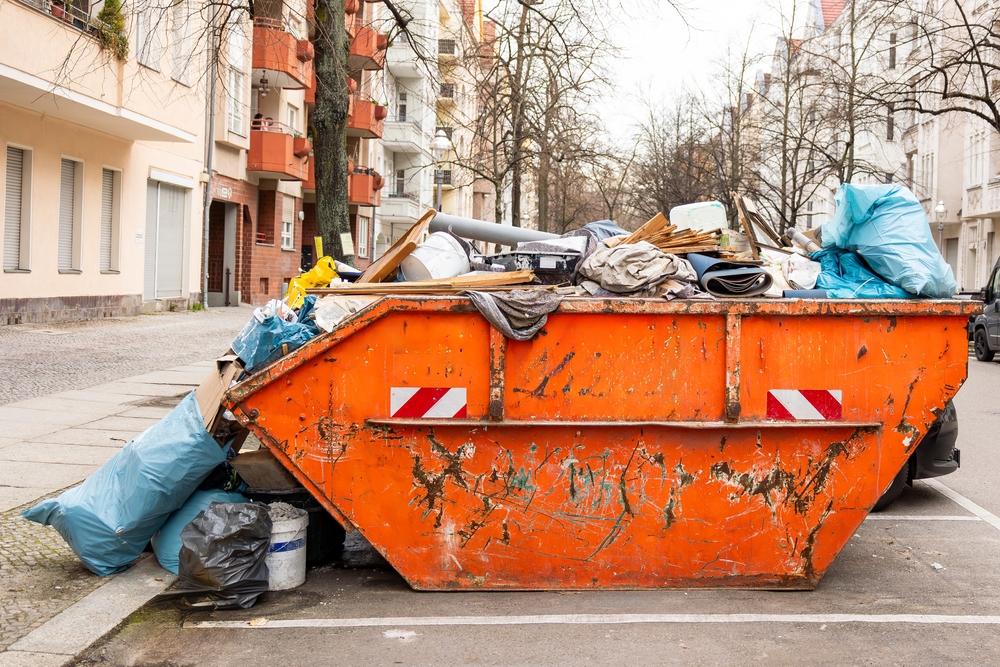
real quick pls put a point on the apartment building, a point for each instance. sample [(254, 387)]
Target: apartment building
[(102, 162)]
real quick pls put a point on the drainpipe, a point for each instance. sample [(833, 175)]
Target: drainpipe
[(213, 69)]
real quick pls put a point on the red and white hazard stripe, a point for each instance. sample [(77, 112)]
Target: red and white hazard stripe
[(805, 404), (427, 403)]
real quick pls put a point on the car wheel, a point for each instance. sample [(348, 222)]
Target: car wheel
[(982, 346), (894, 489)]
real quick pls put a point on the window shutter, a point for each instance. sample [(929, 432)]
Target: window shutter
[(67, 213), (107, 217), (12, 209)]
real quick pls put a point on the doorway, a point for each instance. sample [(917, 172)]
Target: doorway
[(222, 255)]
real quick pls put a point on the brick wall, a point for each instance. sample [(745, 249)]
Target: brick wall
[(271, 266)]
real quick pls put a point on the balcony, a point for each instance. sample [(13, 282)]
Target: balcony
[(401, 136), (364, 187), (982, 202), (279, 58), (401, 208), (86, 89), (363, 121), (446, 94), (367, 50), (276, 152), (402, 61)]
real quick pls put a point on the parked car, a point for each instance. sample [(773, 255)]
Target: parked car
[(934, 456), (986, 327)]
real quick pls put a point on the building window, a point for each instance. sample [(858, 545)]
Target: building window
[(110, 219), (890, 122), (293, 118), (70, 208), (401, 107), (892, 50), (447, 90), (287, 223), (16, 209), (180, 47), (237, 49), (446, 47), (400, 182), (888, 177), (149, 35), (362, 236)]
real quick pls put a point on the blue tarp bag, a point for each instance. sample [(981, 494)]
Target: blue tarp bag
[(109, 519), (263, 341), (844, 275), (887, 226), (167, 540)]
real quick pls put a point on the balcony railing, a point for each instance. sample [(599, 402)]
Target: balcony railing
[(69, 13), (364, 187), (277, 151), (446, 47)]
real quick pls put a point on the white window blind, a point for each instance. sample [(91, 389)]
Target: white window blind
[(180, 46), (149, 35), (287, 223), (107, 217), (67, 213), (12, 209), (237, 47)]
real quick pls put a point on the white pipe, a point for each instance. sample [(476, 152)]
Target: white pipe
[(489, 232)]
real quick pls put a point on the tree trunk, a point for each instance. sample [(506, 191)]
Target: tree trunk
[(329, 127)]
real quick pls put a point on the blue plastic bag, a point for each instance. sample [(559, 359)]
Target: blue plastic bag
[(844, 275), (109, 519), (887, 226), (167, 540), (263, 340)]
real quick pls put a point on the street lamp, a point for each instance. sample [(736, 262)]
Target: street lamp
[(941, 212), (441, 144)]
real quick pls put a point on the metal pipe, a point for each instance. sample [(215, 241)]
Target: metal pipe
[(490, 232)]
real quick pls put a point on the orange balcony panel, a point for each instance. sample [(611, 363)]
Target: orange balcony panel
[(362, 122), (309, 185), (311, 90), (361, 190), (286, 61), (272, 155), (367, 50)]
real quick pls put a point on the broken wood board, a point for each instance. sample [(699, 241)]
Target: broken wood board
[(386, 265), (458, 283)]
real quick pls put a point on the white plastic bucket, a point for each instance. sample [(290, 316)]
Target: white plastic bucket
[(440, 257), (286, 559)]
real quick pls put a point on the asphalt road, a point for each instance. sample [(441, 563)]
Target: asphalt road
[(929, 556)]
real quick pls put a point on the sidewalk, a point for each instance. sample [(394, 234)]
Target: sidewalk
[(49, 444)]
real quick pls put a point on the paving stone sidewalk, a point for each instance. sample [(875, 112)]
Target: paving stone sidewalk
[(52, 441)]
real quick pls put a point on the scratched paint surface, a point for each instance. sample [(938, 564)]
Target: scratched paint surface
[(657, 490)]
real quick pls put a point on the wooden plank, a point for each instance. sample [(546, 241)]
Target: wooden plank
[(383, 267), (426, 286)]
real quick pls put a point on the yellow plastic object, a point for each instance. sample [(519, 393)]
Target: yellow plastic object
[(320, 275)]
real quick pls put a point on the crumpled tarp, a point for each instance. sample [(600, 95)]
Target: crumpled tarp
[(604, 229), (846, 276), (887, 226), (109, 519), (627, 269), (518, 314)]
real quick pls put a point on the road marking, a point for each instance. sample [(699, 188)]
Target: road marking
[(921, 517), (593, 619), (958, 498)]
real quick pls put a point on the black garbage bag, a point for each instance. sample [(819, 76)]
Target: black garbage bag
[(222, 556)]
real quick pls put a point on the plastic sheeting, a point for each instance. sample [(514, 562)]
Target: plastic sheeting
[(722, 278), (887, 226), (167, 540), (845, 276), (268, 337), (109, 519)]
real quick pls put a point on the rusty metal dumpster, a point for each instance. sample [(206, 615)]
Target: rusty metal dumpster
[(632, 444)]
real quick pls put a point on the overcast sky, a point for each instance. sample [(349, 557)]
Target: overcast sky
[(660, 54)]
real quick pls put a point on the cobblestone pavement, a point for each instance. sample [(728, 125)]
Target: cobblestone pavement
[(39, 575), (41, 359)]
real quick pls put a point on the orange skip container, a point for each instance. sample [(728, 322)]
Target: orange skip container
[(632, 444)]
